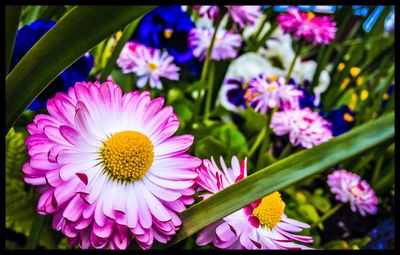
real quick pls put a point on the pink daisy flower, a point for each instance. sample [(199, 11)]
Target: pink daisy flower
[(315, 29), (260, 225), (149, 64), (241, 14), (225, 44), (109, 168), (348, 187), (265, 93), (305, 127)]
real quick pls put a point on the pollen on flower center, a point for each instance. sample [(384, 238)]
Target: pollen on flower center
[(347, 117), (269, 211), (271, 88), (152, 66), (127, 155), (168, 33)]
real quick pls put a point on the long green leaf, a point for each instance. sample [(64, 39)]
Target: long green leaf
[(126, 34), (12, 18), (285, 172), (75, 34)]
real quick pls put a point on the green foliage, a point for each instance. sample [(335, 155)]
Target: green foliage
[(20, 203)]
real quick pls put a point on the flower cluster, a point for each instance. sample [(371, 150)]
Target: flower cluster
[(308, 26)]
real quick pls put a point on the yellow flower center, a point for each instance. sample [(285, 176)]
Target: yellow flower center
[(269, 211), (272, 78), (355, 190), (168, 33), (271, 88), (127, 155), (310, 16), (347, 117), (152, 66), (354, 71)]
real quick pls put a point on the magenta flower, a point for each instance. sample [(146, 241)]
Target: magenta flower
[(260, 225), (348, 187), (147, 63), (305, 127), (109, 168), (241, 14), (225, 44), (266, 93), (301, 25)]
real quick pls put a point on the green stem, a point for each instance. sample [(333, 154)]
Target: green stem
[(265, 144), (286, 151), (204, 72), (35, 232), (260, 28), (258, 141), (299, 45), (327, 215), (210, 91), (377, 171)]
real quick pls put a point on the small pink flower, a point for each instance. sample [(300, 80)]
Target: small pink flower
[(315, 29), (225, 44), (305, 127), (260, 225), (244, 14), (109, 167), (241, 14), (266, 93), (348, 187), (210, 10), (149, 64)]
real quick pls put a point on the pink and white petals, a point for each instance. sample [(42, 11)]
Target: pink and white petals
[(348, 187), (305, 127), (90, 208)]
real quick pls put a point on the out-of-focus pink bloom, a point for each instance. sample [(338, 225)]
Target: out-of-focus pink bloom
[(312, 28), (241, 14), (225, 44), (266, 93), (305, 127), (244, 14), (109, 167), (348, 187), (260, 225), (210, 10), (149, 64)]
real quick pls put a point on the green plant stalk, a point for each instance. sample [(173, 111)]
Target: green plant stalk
[(79, 28), (126, 34), (211, 82), (260, 28), (12, 18), (327, 215), (204, 72), (258, 141), (34, 235), (294, 60), (285, 172), (267, 35), (286, 151), (377, 170), (265, 145)]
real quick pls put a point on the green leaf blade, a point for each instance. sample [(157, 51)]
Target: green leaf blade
[(82, 29)]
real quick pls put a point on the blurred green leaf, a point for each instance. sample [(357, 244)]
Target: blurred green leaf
[(209, 146), (308, 212), (336, 245), (12, 18), (285, 172), (33, 73)]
